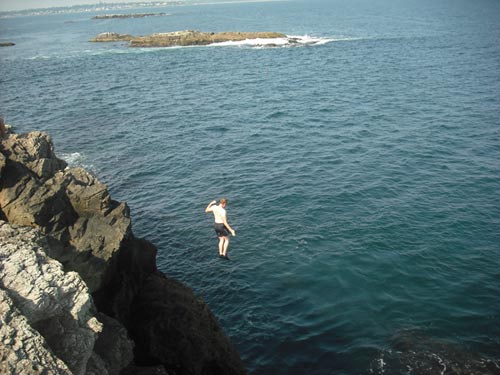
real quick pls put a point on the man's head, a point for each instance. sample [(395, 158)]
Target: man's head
[(223, 202)]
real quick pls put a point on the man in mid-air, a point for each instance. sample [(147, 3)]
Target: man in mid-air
[(222, 228)]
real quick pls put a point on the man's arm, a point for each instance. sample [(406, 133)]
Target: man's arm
[(209, 207), (229, 227)]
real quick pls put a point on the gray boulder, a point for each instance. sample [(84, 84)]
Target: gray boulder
[(22, 349), (54, 303)]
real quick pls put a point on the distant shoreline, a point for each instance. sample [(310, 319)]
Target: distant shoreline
[(97, 7)]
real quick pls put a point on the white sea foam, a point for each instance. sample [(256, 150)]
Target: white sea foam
[(288, 41), (381, 365), (76, 159), (73, 158), (441, 362), (40, 57)]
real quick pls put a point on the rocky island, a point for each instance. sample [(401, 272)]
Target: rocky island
[(123, 16), (79, 293), (184, 38)]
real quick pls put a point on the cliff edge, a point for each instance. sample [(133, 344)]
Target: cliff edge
[(93, 301)]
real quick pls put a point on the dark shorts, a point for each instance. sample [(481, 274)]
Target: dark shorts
[(221, 230)]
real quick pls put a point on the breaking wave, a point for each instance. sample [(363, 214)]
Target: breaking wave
[(288, 41), (76, 159)]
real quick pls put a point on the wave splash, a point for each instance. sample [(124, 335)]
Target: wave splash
[(289, 41), (77, 160)]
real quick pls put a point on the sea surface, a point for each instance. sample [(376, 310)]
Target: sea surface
[(362, 172)]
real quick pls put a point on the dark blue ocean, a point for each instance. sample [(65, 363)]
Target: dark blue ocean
[(362, 173)]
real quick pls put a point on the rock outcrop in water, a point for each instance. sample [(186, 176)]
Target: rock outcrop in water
[(184, 38), (126, 15), (413, 352), (79, 292)]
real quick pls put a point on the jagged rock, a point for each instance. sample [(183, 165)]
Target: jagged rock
[(28, 200), (68, 204), (113, 345), (87, 195), (127, 272), (35, 151), (22, 349), (112, 37), (30, 194), (55, 303), (190, 339), (184, 38)]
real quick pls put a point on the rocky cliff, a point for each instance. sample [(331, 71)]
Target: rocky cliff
[(79, 292)]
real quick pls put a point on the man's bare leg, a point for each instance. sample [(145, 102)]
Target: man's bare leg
[(226, 245), (221, 245)]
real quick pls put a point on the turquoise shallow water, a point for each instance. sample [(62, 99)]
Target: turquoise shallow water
[(362, 174)]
